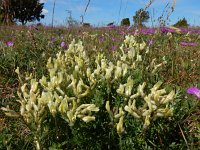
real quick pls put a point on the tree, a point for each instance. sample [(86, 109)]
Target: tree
[(23, 10), (140, 17), (181, 23), (5, 16), (125, 22)]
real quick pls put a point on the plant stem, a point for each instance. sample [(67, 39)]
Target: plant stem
[(120, 142), (37, 143)]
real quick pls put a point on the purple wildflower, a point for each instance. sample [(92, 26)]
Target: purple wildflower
[(122, 33), (150, 41), (194, 91), (183, 43), (187, 44), (101, 39), (192, 44), (9, 44), (166, 30), (62, 44), (114, 48)]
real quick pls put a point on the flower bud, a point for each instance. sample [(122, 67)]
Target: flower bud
[(120, 90), (118, 72), (147, 121), (128, 86), (120, 128), (108, 106), (17, 70), (139, 57), (88, 118), (169, 97), (43, 81), (34, 85)]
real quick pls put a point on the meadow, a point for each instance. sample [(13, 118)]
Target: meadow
[(99, 88)]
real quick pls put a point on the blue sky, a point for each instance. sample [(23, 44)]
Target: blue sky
[(101, 12)]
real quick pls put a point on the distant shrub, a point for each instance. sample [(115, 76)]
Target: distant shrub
[(39, 24), (86, 25), (181, 23), (125, 22), (110, 24)]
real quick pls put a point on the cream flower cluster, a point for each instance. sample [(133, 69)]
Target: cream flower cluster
[(73, 75)]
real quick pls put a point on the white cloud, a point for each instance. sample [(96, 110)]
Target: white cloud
[(44, 11), (43, 1)]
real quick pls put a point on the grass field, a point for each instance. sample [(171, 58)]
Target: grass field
[(99, 88)]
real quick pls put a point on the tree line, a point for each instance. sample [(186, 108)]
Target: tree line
[(23, 11), (142, 16)]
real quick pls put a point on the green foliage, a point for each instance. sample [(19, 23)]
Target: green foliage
[(23, 11), (181, 23), (141, 16), (125, 22)]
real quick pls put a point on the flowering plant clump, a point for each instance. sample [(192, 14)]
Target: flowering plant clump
[(70, 88)]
